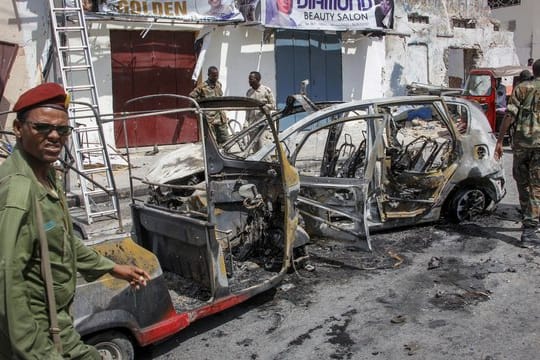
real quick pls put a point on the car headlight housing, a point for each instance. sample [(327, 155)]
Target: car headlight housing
[(481, 152)]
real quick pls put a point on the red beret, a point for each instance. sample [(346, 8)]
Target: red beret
[(44, 95)]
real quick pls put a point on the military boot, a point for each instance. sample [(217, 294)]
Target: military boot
[(529, 236)]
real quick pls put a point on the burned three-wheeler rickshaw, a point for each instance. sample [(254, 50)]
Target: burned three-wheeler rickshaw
[(207, 246)]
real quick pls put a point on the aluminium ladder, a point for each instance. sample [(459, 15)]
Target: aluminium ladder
[(90, 154)]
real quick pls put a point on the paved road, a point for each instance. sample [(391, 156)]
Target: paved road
[(432, 292)]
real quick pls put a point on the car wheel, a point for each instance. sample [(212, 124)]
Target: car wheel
[(466, 204), (113, 345)]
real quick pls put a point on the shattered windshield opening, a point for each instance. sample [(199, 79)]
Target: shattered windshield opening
[(478, 85), (248, 140), (336, 150)]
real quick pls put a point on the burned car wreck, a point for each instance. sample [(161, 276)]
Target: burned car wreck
[(247, 204), (378, 164)]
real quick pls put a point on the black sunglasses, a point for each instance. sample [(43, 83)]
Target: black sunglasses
[(45, 129)]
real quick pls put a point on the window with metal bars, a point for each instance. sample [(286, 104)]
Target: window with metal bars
[(495, 4)]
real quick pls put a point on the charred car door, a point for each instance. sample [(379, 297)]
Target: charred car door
[(420, 157), (337, 162)]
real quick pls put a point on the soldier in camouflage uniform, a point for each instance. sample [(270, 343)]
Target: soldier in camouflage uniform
[(217, 119), (524, 110)]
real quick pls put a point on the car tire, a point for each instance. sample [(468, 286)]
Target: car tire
[(113, 345), (466, 204)]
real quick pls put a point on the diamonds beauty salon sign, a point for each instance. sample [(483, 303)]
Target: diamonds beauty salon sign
[(328, 14)]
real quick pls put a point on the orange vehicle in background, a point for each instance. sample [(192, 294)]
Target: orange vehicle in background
[(481, 87)]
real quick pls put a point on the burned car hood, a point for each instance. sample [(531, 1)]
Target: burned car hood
[(178, 164)]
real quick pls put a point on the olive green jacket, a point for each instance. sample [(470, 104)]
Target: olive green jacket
[(206, 90), (23, 309)]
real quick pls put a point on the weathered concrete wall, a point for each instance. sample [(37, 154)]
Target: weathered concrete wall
[(527, 31), (419, 51)]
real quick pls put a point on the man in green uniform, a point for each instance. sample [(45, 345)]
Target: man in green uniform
[(217, 119), (524, 109), (30, 194)]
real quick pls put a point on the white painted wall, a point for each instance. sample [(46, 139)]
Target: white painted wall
[(237, 51), (22, 23), (364, 57), (527, 32)]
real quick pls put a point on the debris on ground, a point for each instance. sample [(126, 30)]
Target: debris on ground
[(434, 263), (399, 319), (396, 256), (411, 348)]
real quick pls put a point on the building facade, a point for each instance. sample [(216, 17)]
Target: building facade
[(519, 17), (429, 41)]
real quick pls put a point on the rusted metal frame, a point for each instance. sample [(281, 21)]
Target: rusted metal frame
[(334, 122), (126, 115), (434, 154), (330, 154), (425, 140), (86, 177), (211, 149), (245, 149), (374, 152), (359, 221)]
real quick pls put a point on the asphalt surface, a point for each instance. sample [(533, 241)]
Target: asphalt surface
[(441, 291)]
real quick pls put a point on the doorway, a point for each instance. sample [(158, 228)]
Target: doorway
[(307, 55), (162, 62), (459, 62)]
